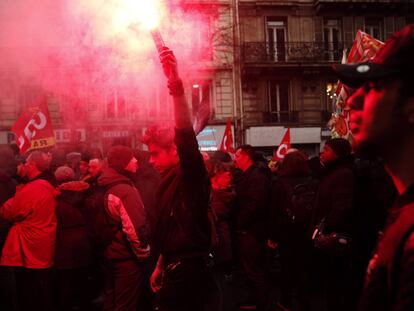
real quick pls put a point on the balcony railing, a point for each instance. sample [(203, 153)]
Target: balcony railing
[(292, 52)]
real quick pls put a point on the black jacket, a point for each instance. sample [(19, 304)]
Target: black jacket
[(124, 205), (390, 285), (72, 245), (334, 200), (252, 202), (183, 228), (222, 203)]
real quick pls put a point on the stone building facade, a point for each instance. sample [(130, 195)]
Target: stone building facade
[(269, 69)]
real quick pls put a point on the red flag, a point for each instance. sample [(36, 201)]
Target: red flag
[(227, 141), (364, 48), (283, 147), (33, 129)]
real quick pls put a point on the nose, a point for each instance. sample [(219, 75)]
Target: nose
[(356, 100)]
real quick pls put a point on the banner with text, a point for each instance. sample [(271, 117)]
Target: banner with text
[(33, 129)]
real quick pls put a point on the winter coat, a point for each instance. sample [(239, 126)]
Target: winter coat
[(32, 237), (334, 200), (183, 229), (72, 245), (222, 203), (390, 282), (146, 180), (282, 228), (7, 190), (124, 206), (252, 202)]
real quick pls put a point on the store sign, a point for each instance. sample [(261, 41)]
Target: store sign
[(268, 136), (67, 135), (115, 134), (210, 138)]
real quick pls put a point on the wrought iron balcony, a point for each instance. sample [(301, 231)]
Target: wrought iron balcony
[(292, 52)]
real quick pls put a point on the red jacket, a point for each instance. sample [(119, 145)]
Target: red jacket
[(31, 240)]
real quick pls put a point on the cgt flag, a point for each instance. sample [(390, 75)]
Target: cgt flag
[(283, 147), (33, 129), (227, 141)]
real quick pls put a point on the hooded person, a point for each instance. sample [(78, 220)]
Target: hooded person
[(333, 210), (73, 251), (127, 252)]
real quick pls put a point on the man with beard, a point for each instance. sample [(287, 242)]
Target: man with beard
[(385, 105)]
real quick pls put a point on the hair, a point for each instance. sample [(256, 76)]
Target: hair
[(161, 135), (248, 150), (40, 159), (215, 167), (295, 163)]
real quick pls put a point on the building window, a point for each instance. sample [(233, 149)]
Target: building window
[(373, 27), (115, 106), (200, 96), (332, 37), (279, 101), (276, 39), (202, 39)]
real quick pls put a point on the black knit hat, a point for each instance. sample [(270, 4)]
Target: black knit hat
[(340, 146), (119, 157)]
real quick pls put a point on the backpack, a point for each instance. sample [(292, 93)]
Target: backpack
[(103, 227), (302, 197)]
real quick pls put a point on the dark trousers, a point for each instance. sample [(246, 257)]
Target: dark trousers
[(295, 259), (253, 258), (8, 293), (34, 289), (124, 281), (72, 289), (185, 286), (335, 276)]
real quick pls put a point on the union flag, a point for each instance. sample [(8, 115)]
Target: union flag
[(227, 141), (33, 129), (284, 146)]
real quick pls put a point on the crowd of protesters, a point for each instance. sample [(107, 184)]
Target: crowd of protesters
[(166, 229)]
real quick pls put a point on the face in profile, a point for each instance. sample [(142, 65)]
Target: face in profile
[(372, 119), (95, 167), (327, 155), (222, 180), (83, 167), (132, 166), (162, 158)]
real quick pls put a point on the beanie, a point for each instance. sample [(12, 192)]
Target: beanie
[(340, 146), (119, 157), (64, 173)]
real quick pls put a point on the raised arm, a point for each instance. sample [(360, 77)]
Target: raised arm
[(181, 111)]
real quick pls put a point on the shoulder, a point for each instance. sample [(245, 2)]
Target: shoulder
[(38, 186)]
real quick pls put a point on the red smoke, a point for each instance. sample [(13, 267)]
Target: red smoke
[(72, 48)]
